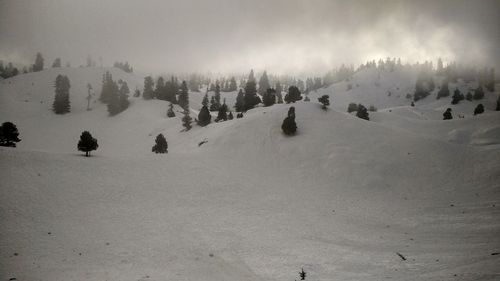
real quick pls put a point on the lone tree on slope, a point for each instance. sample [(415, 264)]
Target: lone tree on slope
[(447, 114), (186, 120), (324, 99), (9, 134), (362, 112), (161, 145), (204, 117), (479, 109), (289, 126), (87, 143)]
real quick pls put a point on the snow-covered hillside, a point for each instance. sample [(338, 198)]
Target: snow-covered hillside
[(340, 199)]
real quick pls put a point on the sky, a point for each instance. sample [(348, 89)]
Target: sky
[(233, 36)]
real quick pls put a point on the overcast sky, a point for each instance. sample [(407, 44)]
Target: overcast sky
[(282, 36)]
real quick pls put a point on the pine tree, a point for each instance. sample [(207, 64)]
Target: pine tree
[(123, 95), (56, 63), (113, 99), (468, 96), (9, 134), (232, 85), (490, 84), (269, 98), (478, 93), (362, 112), (447, 114), (159, 91), (204, 117), (293, 95), (251, 99), (87, 143), (38, 66), (161, 145), (107, 87), (324, 99), (230, 116), (217, 93), (264, 83), (289, 126), (186, 120), (222, 115), (184, 96), (204, 102), (170, 111), (444, 91), (240, 101), (148, 92), (353, 107), (61, 100), (479, 109), (498, 104), (279, 90), (457, 97)]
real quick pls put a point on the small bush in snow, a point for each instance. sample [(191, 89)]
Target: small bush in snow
[(161, 145), (289, 126), (479, 109), (362, 112), (324, 100), (447, 114), (87, 143), (9, 134), (352, 107)]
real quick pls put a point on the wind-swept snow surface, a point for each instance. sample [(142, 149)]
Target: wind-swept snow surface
[(340, 199)]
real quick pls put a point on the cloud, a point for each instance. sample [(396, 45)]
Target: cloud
[(293, 36)]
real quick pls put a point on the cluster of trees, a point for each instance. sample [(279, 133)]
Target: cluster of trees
[(61, 103), (123, 66), (164, 90), (361, 110), (113, 94), (424, 85), (8, 70)]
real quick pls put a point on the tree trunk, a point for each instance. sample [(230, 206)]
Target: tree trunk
[(86, 154)]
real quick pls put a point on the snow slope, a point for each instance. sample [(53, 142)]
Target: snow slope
[(340, 199)]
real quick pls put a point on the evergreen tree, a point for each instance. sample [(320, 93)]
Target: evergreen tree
[(251, 99), (353, 107), (170, 111), (264, 83), (56, 63), (87, 143), (123, 95), (478, 93), (293, 95), (61, 100), (184, 96), (479, 109), (113, 99), (148, 92), (204, 102), (279, 90), (362, 112), (457, 97), (240, 101), (269, 98), (232, 85), (230, 116), (447, 114), (38, 66), (222, 115), (412, 104), (159, 91), (9, 134), (289, 126), (324, 99), (468, 96), (186, 120), (161, 145), (239, 115), (498, 104), (204, 117), (217, 93), (444, 91), (107, 87), (490, 82)]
